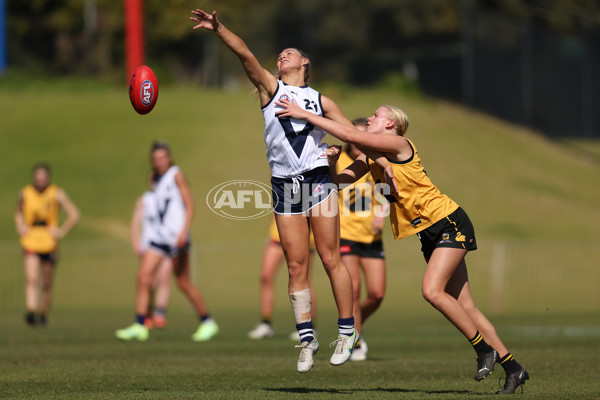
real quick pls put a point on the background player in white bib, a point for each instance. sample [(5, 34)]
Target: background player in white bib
[(175, 209), (298, 164), (144, 230)]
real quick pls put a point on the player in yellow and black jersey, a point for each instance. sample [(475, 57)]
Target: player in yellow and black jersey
[(361, 223), (418, 207), (36, 221)]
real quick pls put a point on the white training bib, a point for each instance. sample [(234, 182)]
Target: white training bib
[(169, 208), (150, 220), (293, 145)]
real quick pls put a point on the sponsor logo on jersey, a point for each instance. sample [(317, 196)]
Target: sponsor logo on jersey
[(285, 97)]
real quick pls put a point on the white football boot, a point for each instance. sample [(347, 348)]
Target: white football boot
[(344, 345), (262, 331), (360, 353), (307, 351)]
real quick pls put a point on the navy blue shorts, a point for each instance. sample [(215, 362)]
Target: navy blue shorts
[(299, 194), (168, 251)]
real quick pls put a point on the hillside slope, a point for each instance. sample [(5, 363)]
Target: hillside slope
[(513, 182)]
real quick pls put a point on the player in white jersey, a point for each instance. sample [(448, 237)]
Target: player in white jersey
[(303, 193), (145, 216), (175, 209)]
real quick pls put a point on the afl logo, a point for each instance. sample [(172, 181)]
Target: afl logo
[(285, 97), (147, 92), (241, 200)]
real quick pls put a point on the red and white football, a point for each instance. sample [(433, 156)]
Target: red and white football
[(143, 89)]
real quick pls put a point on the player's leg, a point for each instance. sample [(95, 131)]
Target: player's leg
[(295, 336), (352, 263), (162, 292), (272, 258), (31, 266), (325, 224), (313, 293), (148, 265), (294, 235), (459, 288), (181, 267), (442, 266), (374, 277), (48, 267), (375, 282)]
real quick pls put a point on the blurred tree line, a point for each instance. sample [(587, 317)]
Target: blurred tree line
[(534, 62), (355, 41)]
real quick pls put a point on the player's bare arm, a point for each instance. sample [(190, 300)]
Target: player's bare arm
[(262, 79), (135, 226), (333, 112), (20, 225), (350, 134), (186, 195), (351, 174), (383, 143), (72, 212)]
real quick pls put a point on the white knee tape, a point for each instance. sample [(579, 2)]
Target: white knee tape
[(301, 304)]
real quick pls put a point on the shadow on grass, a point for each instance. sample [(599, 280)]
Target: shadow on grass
[(352, 391)]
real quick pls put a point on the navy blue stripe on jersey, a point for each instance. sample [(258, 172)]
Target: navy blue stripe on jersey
[(321, 105), (297, 140)]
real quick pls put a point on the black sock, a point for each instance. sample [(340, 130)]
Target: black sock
[(509, 364), (30, 318), (480, 345)]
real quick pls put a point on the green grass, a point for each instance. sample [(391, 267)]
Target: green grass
[(410, 356)]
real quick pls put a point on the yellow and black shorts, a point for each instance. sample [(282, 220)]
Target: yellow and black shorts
[(453, 231)]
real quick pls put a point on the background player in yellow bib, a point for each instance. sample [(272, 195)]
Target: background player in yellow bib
[(445, 231), (361, 223), (37, 224)]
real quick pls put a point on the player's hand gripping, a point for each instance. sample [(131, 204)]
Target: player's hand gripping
[(290, 109), (333, 153)]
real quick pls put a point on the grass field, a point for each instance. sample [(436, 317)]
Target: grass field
[(410, 356), (535, 204)]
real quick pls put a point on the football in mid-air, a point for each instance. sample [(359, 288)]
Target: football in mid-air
[(143, 89)]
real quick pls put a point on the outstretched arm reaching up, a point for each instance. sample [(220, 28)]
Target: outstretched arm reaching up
[(262, 79)]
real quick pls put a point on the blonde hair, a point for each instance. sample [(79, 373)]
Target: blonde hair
[(399, 117)]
